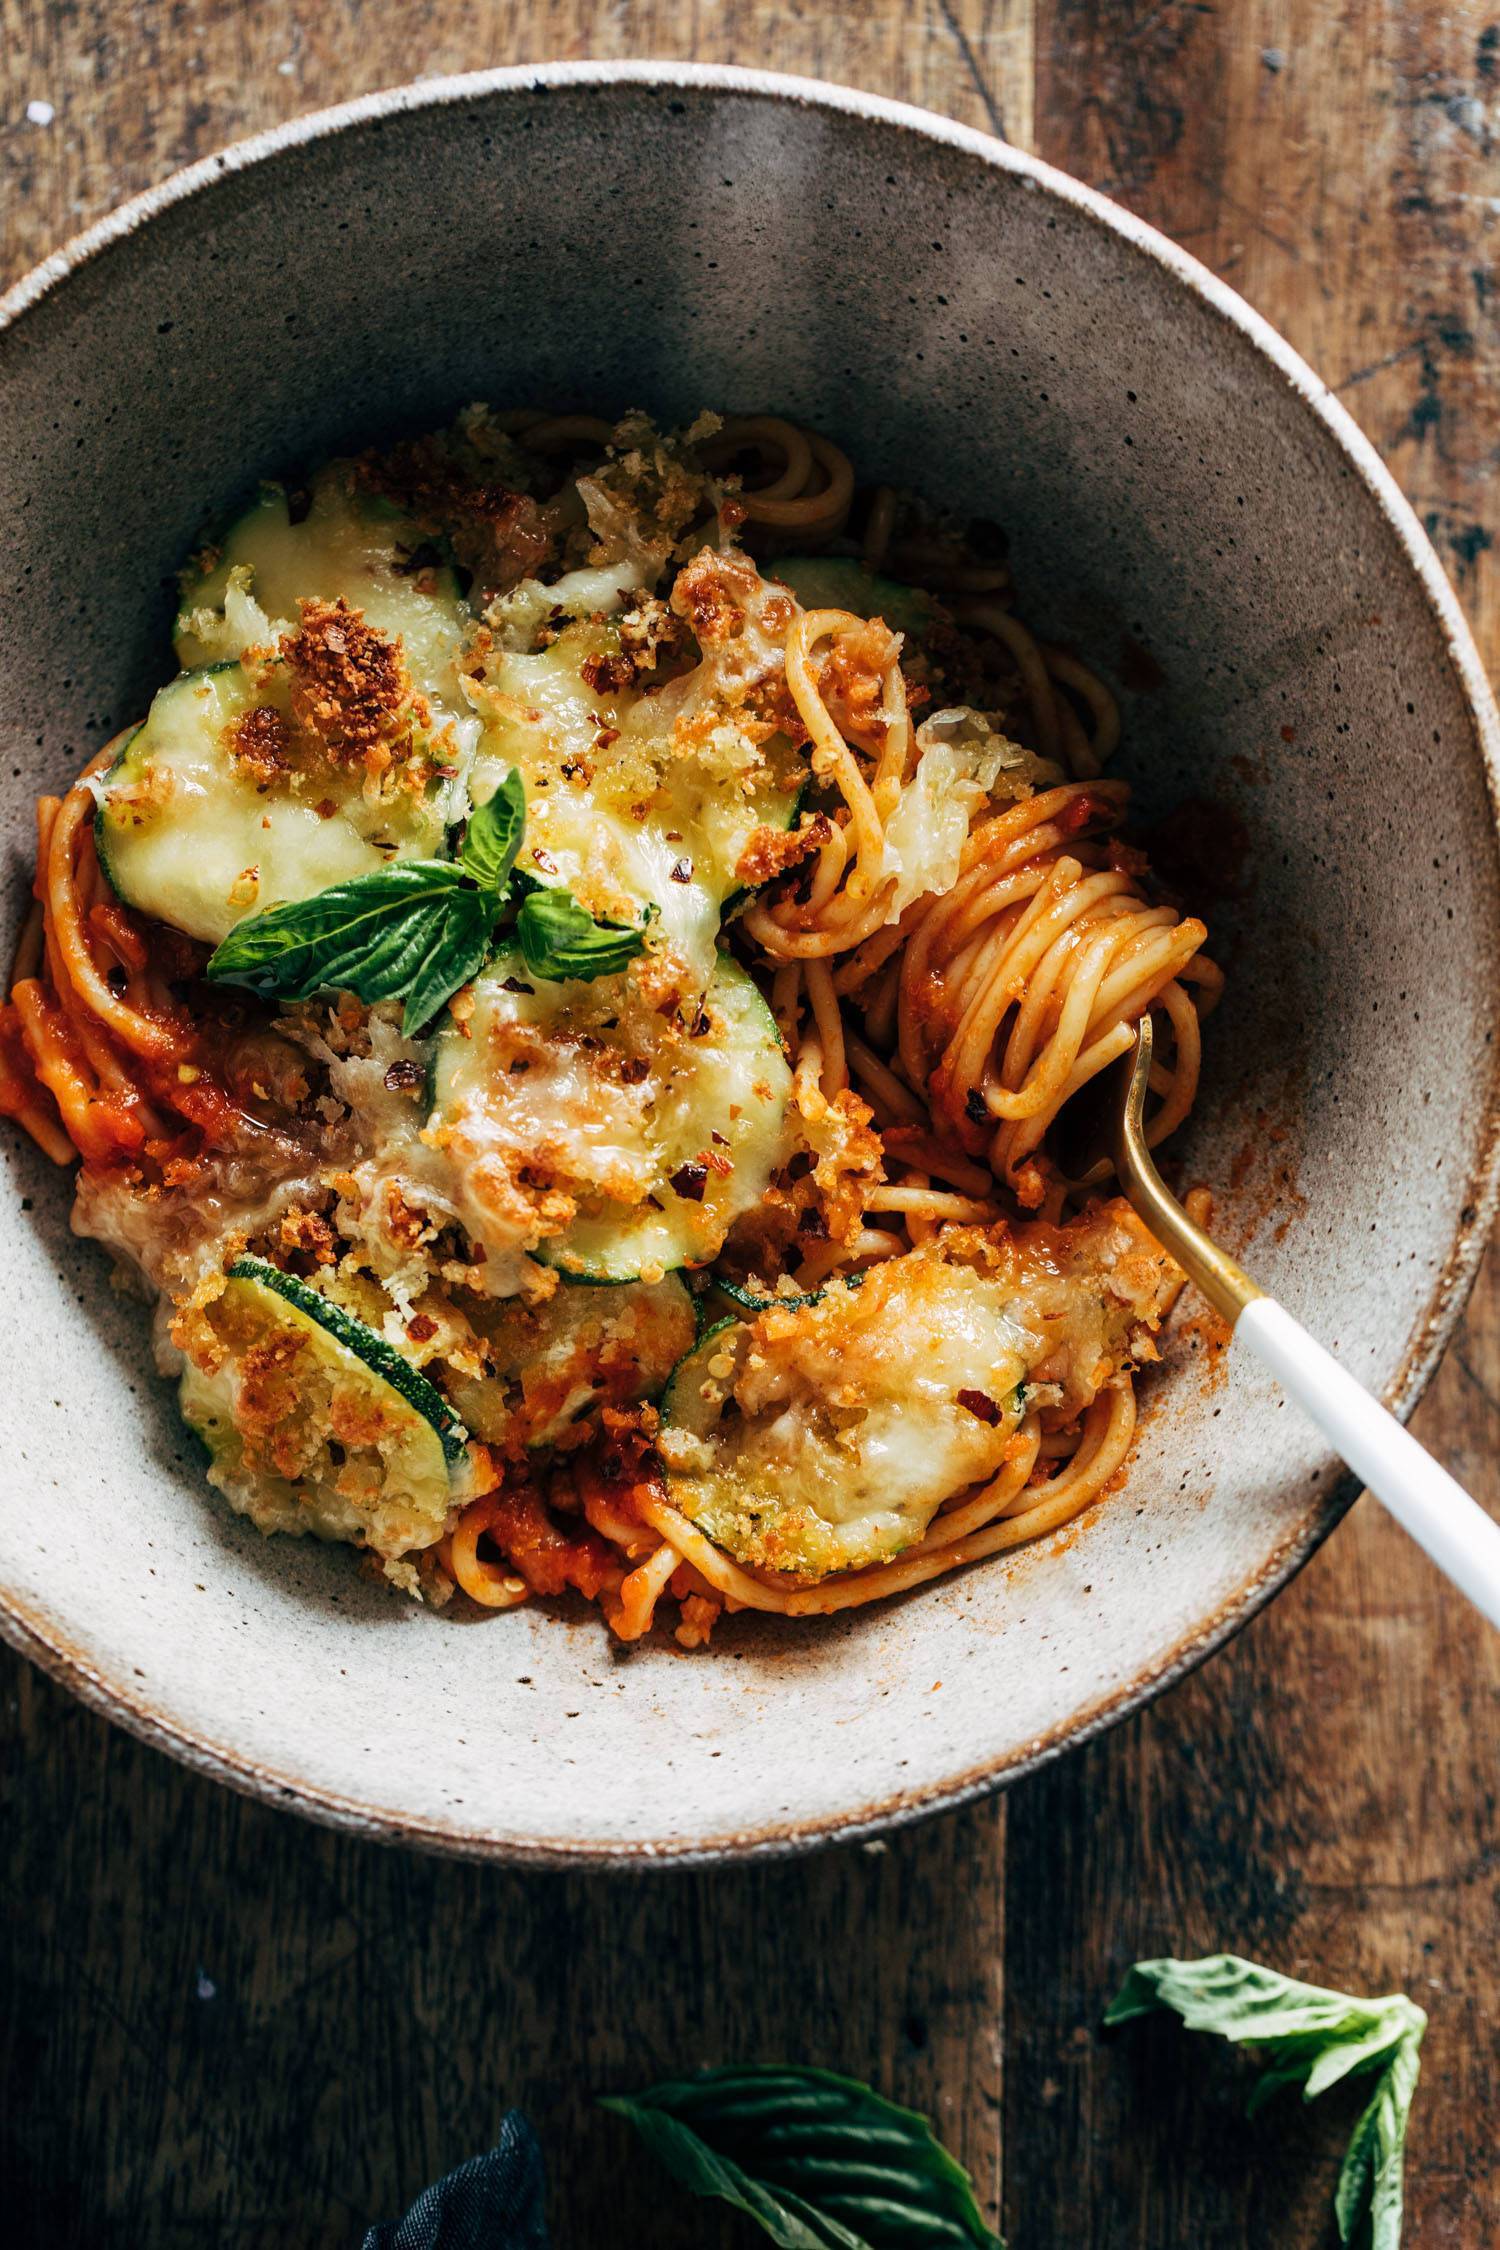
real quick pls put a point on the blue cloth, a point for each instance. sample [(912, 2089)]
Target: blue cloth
[(492, 2202)]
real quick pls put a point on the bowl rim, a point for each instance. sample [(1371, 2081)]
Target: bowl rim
[(39, 1638)]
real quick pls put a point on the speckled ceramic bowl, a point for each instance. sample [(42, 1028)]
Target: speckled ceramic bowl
[(1174, 480)]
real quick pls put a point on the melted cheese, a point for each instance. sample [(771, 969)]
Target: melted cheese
[(347, 544), (827, 1437), (628, 1139), (189, 835), (634, 798)]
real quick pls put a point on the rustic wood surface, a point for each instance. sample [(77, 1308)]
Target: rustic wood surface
[(218, 2024)]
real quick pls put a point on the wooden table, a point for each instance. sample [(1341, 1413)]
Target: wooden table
[(221, 2025)]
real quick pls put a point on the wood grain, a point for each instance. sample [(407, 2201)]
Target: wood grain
[(219, 2024)]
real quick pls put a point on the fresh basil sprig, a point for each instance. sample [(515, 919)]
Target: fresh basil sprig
[(1310, 2038), (414, 931), (819, 2162), (411, 929), (421, 928)]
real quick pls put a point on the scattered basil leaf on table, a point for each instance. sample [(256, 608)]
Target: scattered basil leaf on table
[(560, 938), (819, 2162), (1312, 2038)]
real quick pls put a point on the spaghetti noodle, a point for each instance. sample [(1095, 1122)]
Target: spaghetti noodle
[(952, 935)]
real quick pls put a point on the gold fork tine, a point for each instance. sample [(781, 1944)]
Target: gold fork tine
[(1226, 1285)]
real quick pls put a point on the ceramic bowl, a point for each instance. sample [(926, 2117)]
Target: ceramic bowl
[(1185, 501)]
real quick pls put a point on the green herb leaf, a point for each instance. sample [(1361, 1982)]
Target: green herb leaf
[(560, 938), (1370, 2182), (455, 955), (494, 835), (363, 936), (412, 932), (819, 2162), (1312, 2038)]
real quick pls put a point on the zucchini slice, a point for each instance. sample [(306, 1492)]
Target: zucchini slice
[(617, 809), (825, 1437), (347, 543), (762, 1300), (194, 834), (313, 1423), (556, 1363), (839, 582), (660, 1130)]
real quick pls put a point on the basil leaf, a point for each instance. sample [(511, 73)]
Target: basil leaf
[(1371, 2180), (316, 944), (819, 2162), (494, 835), (379, 964), (1313, 2038), (455, 955), (560, 938)]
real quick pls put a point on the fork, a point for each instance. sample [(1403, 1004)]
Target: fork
[(1424, 1499)]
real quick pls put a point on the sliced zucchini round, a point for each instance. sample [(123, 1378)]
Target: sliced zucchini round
[(187, 833), (661, 1130), (357, 1336), (790, 1300), (695, 1392), (615, 810), (555, 1363), (349, 544), (839, 582), (313, 1423), (825, 1437)]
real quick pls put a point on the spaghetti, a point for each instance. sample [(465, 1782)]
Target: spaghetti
[(953, 937)]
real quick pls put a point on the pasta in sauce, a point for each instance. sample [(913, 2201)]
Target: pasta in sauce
[(710, 1243)]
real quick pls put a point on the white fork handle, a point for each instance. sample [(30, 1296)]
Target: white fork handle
[(1461, 1539)]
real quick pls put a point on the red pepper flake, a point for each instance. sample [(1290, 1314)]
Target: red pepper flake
[(682, 871), (404, 1077), (514, 984), (544, 861), (801, 1164), (634, 1069), (689, 1181), (700, 1025), (421, 1328), (981, 1406), (719, 1140)]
